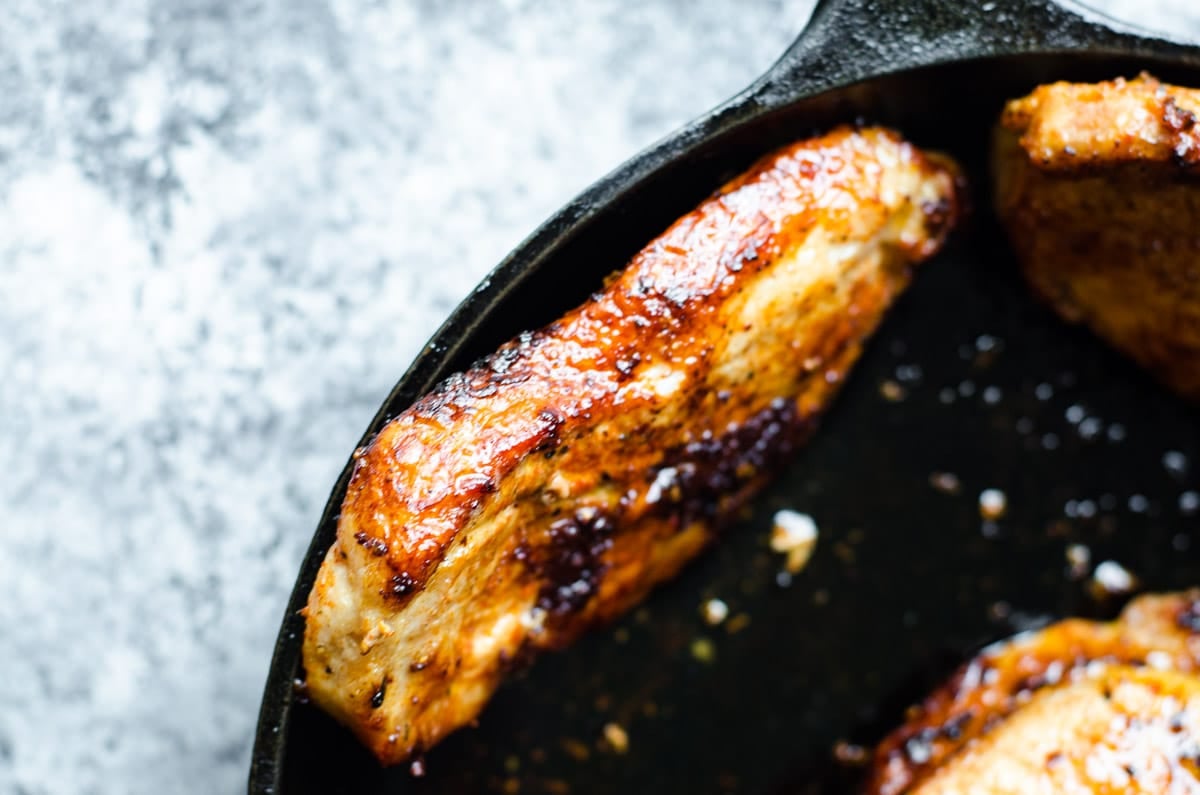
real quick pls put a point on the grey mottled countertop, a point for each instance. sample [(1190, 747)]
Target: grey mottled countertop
[(225, 230)]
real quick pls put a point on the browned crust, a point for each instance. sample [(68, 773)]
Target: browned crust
[(1097, 187), (982, 693), (583, 463), (429, 468), (1075, 128)]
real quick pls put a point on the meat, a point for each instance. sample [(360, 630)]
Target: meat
[(1078, 707), (1097, 187), (549, 487), (1123, 729)]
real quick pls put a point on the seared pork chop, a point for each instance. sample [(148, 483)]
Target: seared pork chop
[(1078, 707), (1099, 188), (549, 487)]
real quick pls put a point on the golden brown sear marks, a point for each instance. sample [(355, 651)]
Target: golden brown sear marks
[(552, 485), (1097, 187), (1080, 706)]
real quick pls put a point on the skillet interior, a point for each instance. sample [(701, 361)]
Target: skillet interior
[(910, 581)]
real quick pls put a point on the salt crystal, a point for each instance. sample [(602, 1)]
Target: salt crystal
[(1113, 578), (795, 535), (993, 503), (715, 611)]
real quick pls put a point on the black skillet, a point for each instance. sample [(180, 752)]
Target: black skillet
[(907, 578)]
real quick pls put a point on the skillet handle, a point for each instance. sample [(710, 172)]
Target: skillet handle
[(851, 40)]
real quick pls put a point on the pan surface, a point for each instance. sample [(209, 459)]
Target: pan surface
[(967, 376)]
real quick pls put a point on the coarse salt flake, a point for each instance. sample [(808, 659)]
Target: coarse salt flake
[(993, 503), (795, 535), (1113, 578), (714, 611)]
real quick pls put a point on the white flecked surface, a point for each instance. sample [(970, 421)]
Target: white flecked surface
[(223, 236)]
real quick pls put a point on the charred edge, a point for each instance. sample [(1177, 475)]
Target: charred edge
[(1186, 151), (919, 749), (484, 377), (918, 745), (626, 364), (379, 694), (898, 759), (992, 721), (502, 367), (939, 216), (548, 439), (916, 750), (1189, 617), (693, 479), (664, 298), (569, 563), (954, 728), (375, 546), (1036, 681), (401, 585), (1176, 118)]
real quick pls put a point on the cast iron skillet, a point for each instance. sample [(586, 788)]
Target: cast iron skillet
[(906, 578)]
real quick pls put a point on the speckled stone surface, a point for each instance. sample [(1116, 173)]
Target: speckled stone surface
[(225, 230)]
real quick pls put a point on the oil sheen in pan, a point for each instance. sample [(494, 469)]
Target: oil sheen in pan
[(968, 376)]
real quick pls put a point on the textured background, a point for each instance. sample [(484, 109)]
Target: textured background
[(225, 230)]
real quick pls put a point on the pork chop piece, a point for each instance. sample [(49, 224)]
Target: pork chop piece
[(549, 487), (1116, 729), (1098, 186), (1081, 706)]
